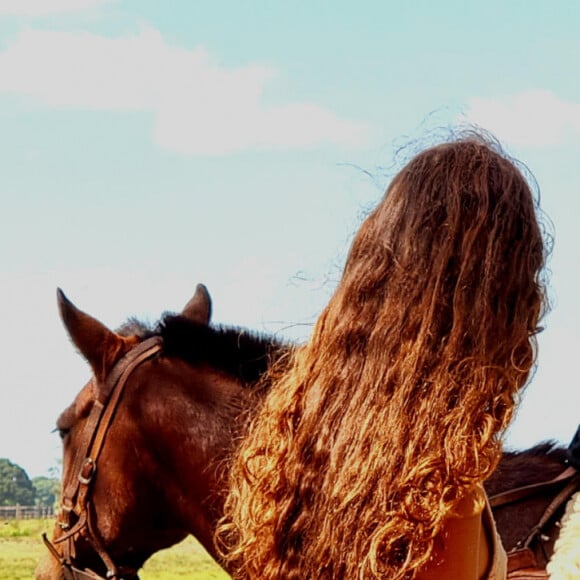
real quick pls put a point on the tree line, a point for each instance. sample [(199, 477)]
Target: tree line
[(16, 488)]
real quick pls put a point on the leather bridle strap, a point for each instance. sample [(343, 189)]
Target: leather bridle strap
[(84, 464), (102, 412), (68, 570)]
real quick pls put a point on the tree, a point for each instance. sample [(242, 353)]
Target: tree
[(15, 486), (47, 489)]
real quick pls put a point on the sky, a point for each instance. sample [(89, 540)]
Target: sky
[(147, 146)]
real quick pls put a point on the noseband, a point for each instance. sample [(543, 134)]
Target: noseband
[(75, 500)]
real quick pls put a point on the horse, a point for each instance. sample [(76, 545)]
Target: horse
[(146, 442)]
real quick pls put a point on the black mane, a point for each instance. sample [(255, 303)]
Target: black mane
[(236, 351)]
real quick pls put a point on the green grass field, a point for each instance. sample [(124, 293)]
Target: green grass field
[(21, 547)]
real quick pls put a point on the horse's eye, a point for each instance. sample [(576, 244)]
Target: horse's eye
[(62, 432)]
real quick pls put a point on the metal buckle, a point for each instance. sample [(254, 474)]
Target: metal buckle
[(84, 477)]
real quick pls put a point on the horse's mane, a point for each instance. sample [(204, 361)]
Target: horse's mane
[(539, 463), (237, 351)]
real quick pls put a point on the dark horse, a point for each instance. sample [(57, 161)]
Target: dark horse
[(147, 440)]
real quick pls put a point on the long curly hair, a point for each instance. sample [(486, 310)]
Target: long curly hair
[(396, 406)]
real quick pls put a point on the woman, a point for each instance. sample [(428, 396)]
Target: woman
[(368, 456)]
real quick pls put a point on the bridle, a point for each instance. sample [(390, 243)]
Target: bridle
[(75, 514)]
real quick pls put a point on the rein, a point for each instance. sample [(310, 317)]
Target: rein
[(75, 504), (522, 560)]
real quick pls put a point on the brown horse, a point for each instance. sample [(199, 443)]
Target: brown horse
[(146, 441)]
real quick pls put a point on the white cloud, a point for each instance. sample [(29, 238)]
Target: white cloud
[(39, 8), (199, 106), (534, 117)]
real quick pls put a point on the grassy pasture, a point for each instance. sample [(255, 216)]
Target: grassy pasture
[(21, 548)]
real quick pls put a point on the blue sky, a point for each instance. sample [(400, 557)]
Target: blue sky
[(147, 146)]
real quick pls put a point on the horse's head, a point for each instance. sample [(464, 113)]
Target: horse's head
[(127, 490)]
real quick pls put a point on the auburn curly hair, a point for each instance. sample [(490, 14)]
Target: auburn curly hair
[(396, 406)]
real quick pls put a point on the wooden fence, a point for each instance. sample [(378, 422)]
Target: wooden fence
[(25, 512)]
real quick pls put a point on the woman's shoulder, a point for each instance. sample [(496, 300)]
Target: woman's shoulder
[(467, 547), (471, 504)]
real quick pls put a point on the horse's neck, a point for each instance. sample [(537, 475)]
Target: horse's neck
[(194, 420), (516, 519), (527, 467)]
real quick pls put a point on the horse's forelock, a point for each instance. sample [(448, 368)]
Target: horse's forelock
[(135, 327)]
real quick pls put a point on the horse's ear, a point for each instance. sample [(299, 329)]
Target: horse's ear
[(574, 450), (98, 345), (198, 309)]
